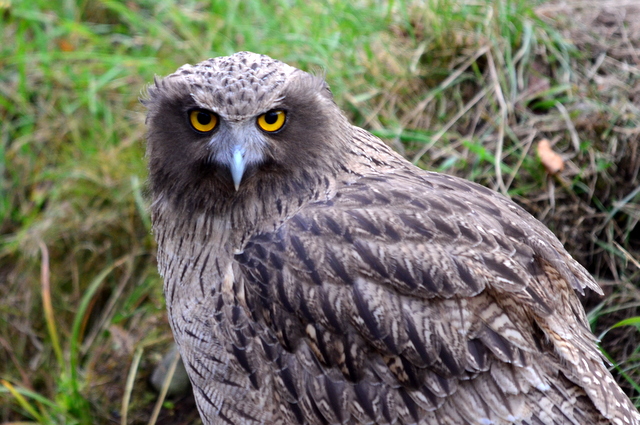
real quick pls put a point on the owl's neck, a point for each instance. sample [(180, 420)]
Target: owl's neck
[(225, 221), (196, 248)]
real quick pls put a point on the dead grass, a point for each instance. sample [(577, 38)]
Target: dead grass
[(607, 238)]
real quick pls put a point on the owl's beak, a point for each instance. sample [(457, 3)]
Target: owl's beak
[(237, 166)]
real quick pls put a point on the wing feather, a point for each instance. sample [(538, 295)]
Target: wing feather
[(398, 299)]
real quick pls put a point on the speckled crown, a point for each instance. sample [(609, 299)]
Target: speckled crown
[(236, 86)]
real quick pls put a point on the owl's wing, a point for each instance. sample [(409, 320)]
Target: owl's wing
[(424, 298)]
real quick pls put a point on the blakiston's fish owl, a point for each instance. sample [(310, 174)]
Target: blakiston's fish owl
[(314, 276)]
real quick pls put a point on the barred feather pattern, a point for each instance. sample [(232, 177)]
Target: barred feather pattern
[(367, 291)]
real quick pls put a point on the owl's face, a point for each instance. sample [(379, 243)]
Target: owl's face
[(230, 123)]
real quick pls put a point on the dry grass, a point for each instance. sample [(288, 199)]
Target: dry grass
[(607, 238)]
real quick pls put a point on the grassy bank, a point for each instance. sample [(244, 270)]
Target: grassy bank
[(462, 87)]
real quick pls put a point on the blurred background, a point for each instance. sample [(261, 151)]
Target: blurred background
[(538, 100)]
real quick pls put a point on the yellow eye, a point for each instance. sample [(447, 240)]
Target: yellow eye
[(271, 121), (203, 121)]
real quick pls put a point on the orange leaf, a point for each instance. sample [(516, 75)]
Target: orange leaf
[(552, 162), (65, 45)]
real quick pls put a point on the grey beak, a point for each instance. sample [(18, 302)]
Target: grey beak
[(237, 166)]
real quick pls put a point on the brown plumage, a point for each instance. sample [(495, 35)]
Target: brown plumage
[(314, 276)]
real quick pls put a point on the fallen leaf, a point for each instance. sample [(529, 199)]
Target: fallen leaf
[(552, 162), (65, 45)]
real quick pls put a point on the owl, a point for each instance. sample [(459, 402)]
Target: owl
[(314, 276)]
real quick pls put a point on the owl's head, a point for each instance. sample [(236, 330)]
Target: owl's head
[(233, 124)]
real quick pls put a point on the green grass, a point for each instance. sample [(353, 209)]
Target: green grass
[(463, 87)]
